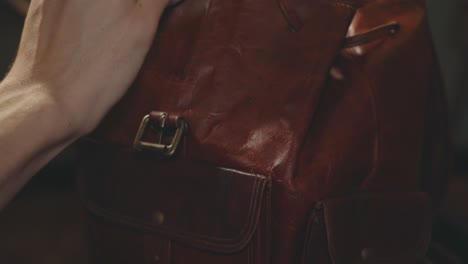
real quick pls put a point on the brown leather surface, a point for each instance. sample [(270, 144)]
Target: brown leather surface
[(268, 88), (170, 120)]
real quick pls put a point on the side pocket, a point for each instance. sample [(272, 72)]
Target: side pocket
[(384, 228)]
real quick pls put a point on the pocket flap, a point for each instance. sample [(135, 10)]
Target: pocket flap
[(378, 228), (192, 202)]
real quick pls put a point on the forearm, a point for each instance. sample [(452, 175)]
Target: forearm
[(76, 59), (33, 131)]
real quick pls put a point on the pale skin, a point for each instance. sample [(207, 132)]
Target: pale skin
[(76, 59)]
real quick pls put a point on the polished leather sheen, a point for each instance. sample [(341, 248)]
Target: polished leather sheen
[(316, 134)]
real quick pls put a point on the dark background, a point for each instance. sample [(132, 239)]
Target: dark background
[(45, 223)]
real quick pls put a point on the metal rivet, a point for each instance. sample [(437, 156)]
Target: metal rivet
[(158, 217), (394, 29), (366, 253), (336, 73)]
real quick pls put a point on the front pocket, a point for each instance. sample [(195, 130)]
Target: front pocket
[(170, 209), (384, 228)]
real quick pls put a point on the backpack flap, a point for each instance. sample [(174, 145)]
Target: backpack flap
[(193, 203)]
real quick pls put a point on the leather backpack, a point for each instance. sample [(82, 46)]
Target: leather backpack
[(273, 132)]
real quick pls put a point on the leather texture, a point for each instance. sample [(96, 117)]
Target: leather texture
[(316, 134)]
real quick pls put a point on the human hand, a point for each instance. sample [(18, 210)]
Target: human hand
[(84, 54)]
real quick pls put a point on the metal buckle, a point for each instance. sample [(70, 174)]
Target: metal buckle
[(165, 149)]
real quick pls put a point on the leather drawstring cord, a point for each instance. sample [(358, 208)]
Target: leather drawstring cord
[(372, 35)]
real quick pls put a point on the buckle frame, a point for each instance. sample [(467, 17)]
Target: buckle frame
[(167, 150)]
